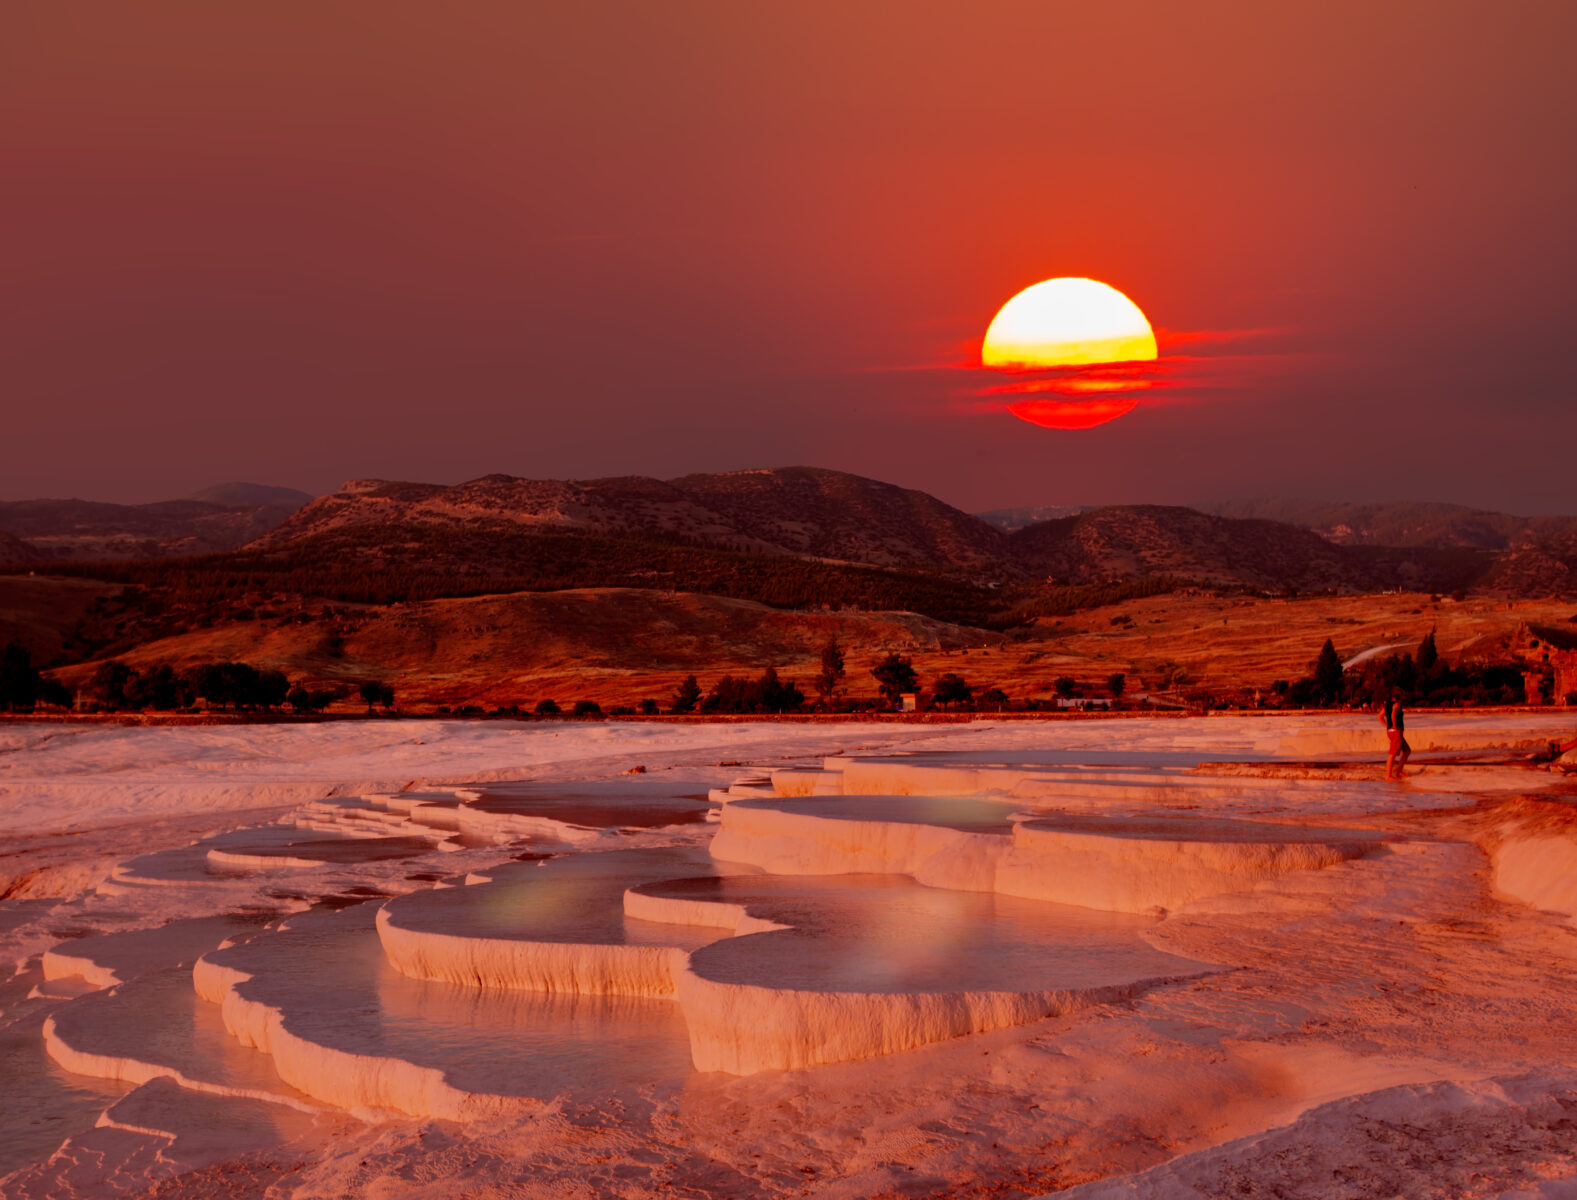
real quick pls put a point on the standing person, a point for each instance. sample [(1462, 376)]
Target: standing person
[(1394, 718)]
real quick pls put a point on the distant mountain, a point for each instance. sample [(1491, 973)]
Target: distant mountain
[(1547, 567), (253, 495), (801, 512), (86, 530), (498, 523), (14, 552), (1430, 525), (790, 537), (1137, 540), (1010, 520)]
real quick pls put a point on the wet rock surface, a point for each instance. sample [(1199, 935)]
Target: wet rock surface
[(1132, 958)]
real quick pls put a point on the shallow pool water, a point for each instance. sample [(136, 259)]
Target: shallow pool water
[(604, 804), (40, 1104), (570, 898), (328, 975), (886, 933), (159, 1019), (968, 814)]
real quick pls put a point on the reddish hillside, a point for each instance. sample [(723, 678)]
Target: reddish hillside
[(1534, 568), (797, 511), (85, 531), (1139, 540), (14, 552), (613, 645)]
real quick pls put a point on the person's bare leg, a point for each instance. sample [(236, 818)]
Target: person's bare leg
[(1390, 765), (1401, 767)]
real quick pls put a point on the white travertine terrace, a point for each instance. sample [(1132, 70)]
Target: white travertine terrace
[(1540, 871), (507, 946), (651, 924), (1121, 864), (811, 977), (662, 925)]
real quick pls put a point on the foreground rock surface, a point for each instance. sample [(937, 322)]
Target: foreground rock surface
[(853, 974)]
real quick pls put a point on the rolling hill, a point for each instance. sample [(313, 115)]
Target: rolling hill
[(219, 518), (14, 552), (637, 531), (800, 512), (503, 591), (613, 645), (793, 540), (1141, 540), (1409, 524)]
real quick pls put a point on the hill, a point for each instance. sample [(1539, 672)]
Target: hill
[(1011, 520), (1146, 540), (612, 645), (14, 552), (1410, 524), (88, 530), (1547, 567), (618, 646), (252, 495), (797, 541), (799, 512), (809, 514)]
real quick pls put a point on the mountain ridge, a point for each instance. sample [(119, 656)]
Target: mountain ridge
[(803, 512), (1426, 524), (837, 517), (722, 532), (218, 518)]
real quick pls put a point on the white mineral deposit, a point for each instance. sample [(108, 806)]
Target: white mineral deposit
[(1100, 958)]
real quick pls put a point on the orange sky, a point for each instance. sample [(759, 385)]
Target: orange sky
[(300, 243)]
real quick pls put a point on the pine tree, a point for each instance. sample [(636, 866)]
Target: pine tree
[(1328, 674), (1426, 655), (19, 683), (832, 670), (687, 696)]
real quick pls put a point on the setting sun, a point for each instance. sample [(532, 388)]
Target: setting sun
[(1067, 322)]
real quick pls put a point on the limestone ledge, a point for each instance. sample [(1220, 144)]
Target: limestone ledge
[(482, 962), (1121, 866), (340, 1077)]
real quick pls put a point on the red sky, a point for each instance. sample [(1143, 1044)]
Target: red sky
[(298, 243)]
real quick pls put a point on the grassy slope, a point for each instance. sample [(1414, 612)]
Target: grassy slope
[(617, 646), (614, 646)]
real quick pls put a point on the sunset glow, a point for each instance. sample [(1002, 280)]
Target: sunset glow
[(1071, 414), (1067, 322)]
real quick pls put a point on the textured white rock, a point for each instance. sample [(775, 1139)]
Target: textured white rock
[(229, 860), (340, 1077), (706, 914), (799, 843), (1118, 867), (1192, 1032), (743, 1029), (1540, 872), (1136, 874), (484, 962), (112, 1036), (792, 781)]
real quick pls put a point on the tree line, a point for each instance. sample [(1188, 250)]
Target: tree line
[(895, 676), (1422, 678), (116, 686)]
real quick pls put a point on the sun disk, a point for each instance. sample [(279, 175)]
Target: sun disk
[(1067, 322)]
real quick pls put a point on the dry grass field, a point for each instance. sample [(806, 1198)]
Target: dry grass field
[(618, 646)]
